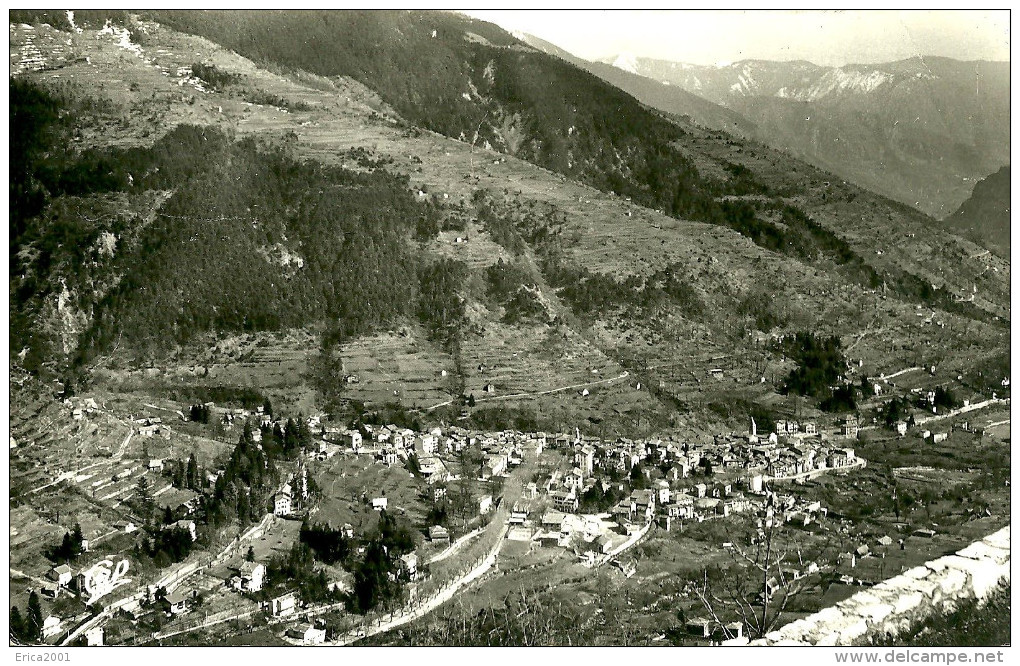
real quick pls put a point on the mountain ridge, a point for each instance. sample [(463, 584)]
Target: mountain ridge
[(878, 125), (984, 216), (624, 280)]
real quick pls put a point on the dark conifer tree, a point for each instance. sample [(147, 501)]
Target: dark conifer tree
[(18, 629), (35, 618), (192, 475)]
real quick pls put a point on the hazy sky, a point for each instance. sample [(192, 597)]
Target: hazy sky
[(707, 37)]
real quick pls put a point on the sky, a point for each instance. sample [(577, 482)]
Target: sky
[(710, 37)]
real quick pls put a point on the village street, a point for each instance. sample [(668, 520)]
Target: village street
[(962, 410), (899, 372), (455, 546), (15, 573)]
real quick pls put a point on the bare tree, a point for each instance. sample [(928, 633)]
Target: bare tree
[(776, 572)]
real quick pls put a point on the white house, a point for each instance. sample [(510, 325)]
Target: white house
[(409, 564), (574, 479), (664, 493), (61, 574), (51, 626), (281, 504), (94, 637), (284, 605), (353, 439), (428, 443), (252, 575), (379, 503), (308, 634), (176, 602)]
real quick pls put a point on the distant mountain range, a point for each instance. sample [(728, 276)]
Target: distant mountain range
[(664, 97), (984, 217), (919, 130)]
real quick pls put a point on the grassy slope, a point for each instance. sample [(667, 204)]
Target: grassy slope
[(599, 232)]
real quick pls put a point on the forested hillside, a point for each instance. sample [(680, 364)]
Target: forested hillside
[(535, 107), (466, 78), (296, 208), (247, 239)]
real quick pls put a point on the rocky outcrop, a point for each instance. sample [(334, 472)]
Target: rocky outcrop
[(893, 605)]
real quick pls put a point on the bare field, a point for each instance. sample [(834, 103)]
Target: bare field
[(724, 264), (345, 480), (398, 367)]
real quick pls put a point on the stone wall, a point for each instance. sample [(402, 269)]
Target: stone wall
[(891, 606)]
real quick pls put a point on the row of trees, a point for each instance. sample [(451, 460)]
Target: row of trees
[(199, 414), (243, 491), (167, 545), (186, 474), (289, 440)]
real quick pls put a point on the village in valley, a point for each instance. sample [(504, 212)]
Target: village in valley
[(311, 349), (460, 502)]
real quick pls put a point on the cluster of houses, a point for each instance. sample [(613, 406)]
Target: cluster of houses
[(393, 445), (63, 577), (230, 417), (748, 459), (151, 426), (81, 407), (729, 462)]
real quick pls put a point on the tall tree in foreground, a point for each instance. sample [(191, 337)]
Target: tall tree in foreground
[(17, 625), (192, 474), (33, 628)]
